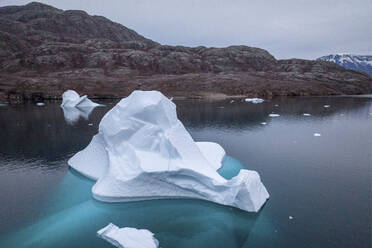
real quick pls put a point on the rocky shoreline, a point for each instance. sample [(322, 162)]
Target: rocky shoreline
[(45, 51)]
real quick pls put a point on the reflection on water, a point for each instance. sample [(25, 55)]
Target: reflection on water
[(323, 182), (73, 114)]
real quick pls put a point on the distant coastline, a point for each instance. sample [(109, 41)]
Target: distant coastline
[(45, 51)]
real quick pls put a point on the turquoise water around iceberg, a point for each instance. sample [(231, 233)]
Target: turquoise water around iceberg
[(73, 219)]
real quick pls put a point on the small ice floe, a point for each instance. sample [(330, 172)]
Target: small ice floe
[(40, 104), (317, 134), (171, 98), (305, 114), (232, 101), (71, 98), (90, 124), (290, 217), (327, 106), (3, 104), (254, 100), (128, 237), (74, 107), (274, 115), (276, 105), (263, 123)]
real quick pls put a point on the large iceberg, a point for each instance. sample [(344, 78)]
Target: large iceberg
[(71, 98), (128, 237), (143, 152)]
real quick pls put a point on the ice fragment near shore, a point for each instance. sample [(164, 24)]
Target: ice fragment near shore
[(143, 152), (274, 115), (71, 98), (128, 237), (254, 100)]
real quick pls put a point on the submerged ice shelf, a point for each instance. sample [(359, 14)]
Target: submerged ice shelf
[(143, 152), (128, 237)]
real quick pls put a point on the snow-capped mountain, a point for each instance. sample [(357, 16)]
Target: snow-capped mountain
[(350, 61)]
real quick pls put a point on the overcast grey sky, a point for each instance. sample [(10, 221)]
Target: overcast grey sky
[(286, 28)]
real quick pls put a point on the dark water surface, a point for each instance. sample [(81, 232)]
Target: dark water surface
[(324, 182)]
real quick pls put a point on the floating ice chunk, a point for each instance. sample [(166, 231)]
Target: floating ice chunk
[(306, 114), (290, 217), (143, 152), (254, 100), (276, 105), (232, 101), (263, 123), (327, 106), (128, 237), (90, 124), (40, 104), (274, 115), (171, 98), (71, 98), (317, 134)]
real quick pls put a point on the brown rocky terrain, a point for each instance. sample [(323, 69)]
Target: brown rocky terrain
[(44, 51)]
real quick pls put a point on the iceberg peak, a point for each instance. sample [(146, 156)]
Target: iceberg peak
[(143, 152)]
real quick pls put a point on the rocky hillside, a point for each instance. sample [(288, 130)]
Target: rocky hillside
[(44, 51), (350, 61)]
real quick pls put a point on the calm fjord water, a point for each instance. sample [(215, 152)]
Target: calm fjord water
[(323, 183)]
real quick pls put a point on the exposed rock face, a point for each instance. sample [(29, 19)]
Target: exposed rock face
[(44, 50)]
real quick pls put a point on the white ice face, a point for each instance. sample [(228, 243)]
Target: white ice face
[(128, 237), (254, 100), (71, 98), (143, 152)]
